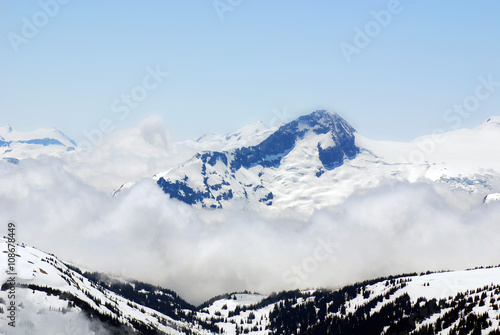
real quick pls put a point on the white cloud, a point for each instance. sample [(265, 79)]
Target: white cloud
[(124, 155), (143, 234)]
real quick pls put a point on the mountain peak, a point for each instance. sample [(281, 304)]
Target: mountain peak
[(322, 121), (321, 114), (20, 145), (339, 143), (322, 136)]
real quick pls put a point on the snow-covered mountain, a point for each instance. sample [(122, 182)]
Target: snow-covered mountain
[(51, 296), (301, 149), (248, 135), (15, 145), (315, 161), (460, 302), (319, 160)]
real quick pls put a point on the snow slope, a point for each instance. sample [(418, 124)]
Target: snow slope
[(294, 172), (248, 135), (313, 162), (50, 296), (15, 145), (429, 300), (295, 153), (36, 271)]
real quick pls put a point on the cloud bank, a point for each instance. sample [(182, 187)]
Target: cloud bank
[(142, 234)]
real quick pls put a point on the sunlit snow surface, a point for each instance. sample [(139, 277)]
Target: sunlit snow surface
[(465, 159), (63, 199), (18, 145), (38, 312)]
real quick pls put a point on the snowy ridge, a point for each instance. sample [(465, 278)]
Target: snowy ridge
[(315, 161), (15, 145), (433, 303), (319, 160), (248, 135), (212, 178), (40, 276)]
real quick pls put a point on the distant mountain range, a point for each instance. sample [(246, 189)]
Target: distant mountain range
[(319, 160), (214, 177), (51, 294), (15, 145), (315, 161)]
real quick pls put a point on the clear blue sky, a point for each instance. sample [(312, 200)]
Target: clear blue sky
[(263, 56)]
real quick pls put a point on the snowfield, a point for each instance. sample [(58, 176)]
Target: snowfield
[(53, 296), (250, 210)]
